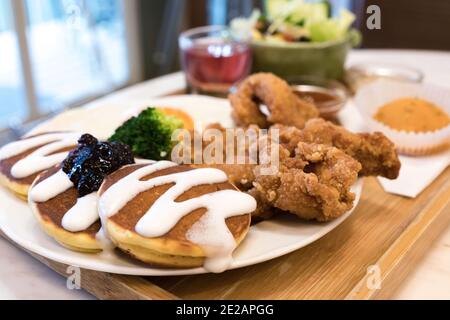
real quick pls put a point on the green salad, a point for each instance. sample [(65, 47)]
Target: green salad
[(295, 21)]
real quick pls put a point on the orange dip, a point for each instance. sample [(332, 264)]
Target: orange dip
[(412, 114), (317, 97), (187, 120)]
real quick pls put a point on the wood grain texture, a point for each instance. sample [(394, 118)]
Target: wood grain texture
[(108, 286), (385, 230), (334, 266), (407, 250)]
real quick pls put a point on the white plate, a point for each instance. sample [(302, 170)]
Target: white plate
[(265, 241)]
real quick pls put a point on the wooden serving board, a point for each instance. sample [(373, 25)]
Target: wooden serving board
[(386, 235)]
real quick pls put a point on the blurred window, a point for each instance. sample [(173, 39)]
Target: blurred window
[(12, 98), (75, 50)]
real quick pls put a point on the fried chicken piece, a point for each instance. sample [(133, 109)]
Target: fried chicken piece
[(314, 184), (240, 174), (264, 210), (284, 105), (375, 152), (313, 181)]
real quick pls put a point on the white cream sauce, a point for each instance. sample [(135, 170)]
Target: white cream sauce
[(42, 158), (50, 187), (104, 240), (81, 216), (210, 232)]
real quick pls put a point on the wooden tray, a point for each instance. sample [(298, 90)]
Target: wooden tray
[(386, 235)]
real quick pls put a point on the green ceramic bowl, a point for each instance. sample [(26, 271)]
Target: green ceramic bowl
[(324, 59)]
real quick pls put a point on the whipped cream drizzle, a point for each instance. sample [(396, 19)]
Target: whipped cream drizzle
[(52, 186), (210, 232), (42, 158), (81, 216)]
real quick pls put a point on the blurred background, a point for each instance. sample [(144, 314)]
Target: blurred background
[(56, 54)]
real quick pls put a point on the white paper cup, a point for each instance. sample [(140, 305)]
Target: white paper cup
[(372, 96)]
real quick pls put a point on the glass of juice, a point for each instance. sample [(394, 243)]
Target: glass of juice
[(213, 60)]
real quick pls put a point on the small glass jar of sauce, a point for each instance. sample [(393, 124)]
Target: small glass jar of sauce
[(328, 100)]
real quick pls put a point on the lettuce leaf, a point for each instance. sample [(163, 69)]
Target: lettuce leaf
[(331, 29), (311, 16)]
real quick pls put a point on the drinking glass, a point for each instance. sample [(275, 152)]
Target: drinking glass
[(213, 60)]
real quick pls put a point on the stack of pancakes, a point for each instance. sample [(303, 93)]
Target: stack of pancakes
[(172, 249), (21, 186), (51, 213)]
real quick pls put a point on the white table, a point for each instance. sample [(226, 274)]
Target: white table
[(22, 277)]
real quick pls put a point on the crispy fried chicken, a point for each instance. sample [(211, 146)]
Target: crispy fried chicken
[(313, 184), (375, 152), (317, 167), (283, 104)]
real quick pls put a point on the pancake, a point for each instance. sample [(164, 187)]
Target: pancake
[(179, 246), (20, 151), (50, 216)]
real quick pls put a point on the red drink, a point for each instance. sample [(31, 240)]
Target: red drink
[(214, 64)]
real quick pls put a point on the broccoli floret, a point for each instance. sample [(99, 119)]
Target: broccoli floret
[(150, 134)]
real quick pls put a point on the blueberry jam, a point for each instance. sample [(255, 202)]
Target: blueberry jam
[(92, 161)]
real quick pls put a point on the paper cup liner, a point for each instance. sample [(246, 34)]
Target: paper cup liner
[(373, 96)]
